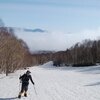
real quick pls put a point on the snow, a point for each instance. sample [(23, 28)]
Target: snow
[(54, 83)]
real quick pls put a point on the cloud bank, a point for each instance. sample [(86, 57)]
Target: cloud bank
[(55, 40)]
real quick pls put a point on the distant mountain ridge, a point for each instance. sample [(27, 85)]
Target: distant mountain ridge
[(35, 30), (39, 30), (42, 52)]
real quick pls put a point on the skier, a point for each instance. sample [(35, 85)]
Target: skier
[(25, 82)]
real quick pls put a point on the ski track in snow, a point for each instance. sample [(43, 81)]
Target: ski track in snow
[(62, 83)]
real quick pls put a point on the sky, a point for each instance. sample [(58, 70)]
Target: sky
[(67, 21)]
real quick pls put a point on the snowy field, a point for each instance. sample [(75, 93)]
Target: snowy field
[(51, 83)]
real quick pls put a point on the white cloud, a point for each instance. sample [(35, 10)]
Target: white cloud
[(56, 40), (91, 34)]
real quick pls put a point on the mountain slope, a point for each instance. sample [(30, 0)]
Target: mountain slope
[(63, 83)]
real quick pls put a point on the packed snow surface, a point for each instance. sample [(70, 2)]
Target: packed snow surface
[(54, 83)]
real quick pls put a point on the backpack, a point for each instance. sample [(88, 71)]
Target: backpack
[(25, 78)]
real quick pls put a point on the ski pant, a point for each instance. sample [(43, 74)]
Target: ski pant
[(24, 88)]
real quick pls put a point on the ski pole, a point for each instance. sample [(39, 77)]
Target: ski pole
[(35, 90), (19, 86)]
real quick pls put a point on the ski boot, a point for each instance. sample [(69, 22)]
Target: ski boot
[(19, 96), (25, 94)]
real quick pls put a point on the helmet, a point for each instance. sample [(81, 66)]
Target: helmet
[(28, 72)]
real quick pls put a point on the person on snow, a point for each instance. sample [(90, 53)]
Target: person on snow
[(25, 82)]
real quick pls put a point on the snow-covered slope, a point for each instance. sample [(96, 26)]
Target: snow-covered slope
[(63, 83)]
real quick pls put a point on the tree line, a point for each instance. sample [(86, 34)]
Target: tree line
[(14, 52), (86, 53)]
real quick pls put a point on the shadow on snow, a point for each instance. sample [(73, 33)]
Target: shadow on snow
[(12, 98), (93, 84)]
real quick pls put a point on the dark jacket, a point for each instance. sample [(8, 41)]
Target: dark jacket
[(25, 79)]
